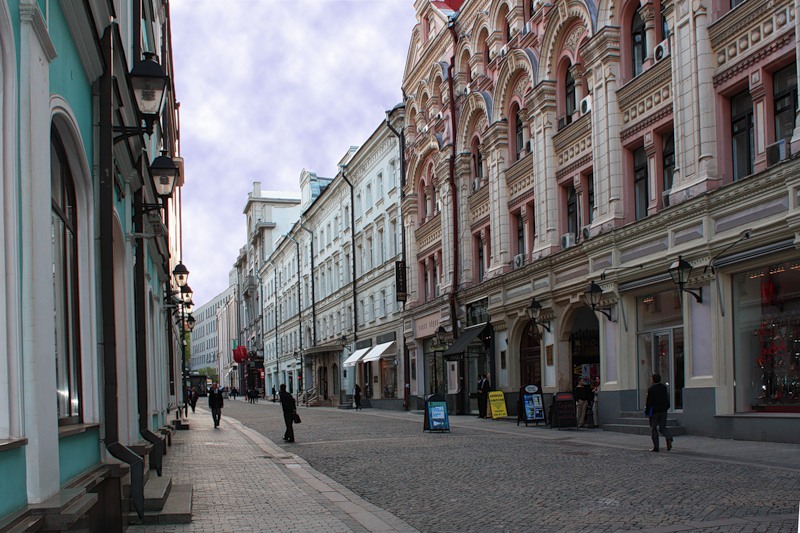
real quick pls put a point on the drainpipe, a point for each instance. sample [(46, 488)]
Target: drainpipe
[(402, 140), (342, 168), (451, 179)]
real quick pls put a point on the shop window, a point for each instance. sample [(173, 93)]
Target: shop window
[(520, 233), (66, 310), (784, 84), (743, 135), (640, 189), (389, 378), (767, 339), (660, 344), (638, 44)]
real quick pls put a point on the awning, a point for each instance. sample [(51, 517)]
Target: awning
[(461, 343), (355, 356), (385, 349)]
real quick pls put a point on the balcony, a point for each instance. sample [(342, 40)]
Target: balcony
[(249, 285)]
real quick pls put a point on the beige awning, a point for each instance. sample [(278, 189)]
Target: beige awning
[(355, 357), (388, 349)]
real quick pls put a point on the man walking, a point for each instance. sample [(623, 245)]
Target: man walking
[(289, 410), (656, 408), (215, 402)]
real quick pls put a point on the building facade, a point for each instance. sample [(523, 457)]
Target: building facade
[(90, 364), (206, 336), (558, 147)]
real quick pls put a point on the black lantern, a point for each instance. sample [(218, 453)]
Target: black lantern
[(190, 322), (534, 311), (180, 274), (149, 83), (186, 293), (593, 294), (165, 174), (680, 271)]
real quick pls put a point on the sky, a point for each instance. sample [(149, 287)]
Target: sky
[(268, 88)]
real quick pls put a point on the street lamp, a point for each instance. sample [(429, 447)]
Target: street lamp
[(149, 84), (181, 274), (593, 294), (534, 311), (680, 271)]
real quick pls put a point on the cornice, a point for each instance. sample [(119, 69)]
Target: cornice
[(29, 13)]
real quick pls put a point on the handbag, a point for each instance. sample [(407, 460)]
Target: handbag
[(296, 418)]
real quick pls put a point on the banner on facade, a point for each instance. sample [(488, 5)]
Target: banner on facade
[(401, 291), (497, 403)]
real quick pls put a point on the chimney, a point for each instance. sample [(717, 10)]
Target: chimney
[(256, 189)]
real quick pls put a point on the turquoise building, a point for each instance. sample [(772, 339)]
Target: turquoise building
[(90, 363)]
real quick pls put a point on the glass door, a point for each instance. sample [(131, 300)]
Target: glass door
[(662, 352)]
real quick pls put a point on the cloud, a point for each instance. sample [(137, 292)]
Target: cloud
[(268, 88)]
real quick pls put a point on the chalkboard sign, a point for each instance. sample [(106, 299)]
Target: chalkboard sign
[(564, 415), (436, 414), (531, 408)]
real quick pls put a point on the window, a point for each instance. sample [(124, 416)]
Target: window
[(520, 234), (426, 282), (380, 186), (368, 203), (742, 133), (435, 268), (668, 158), (64, 243), (518, 130), (569, 95), (638, 43), (784, 88), (572, 210), (477, 165), (481, 260), (590, 197), (640, 183)]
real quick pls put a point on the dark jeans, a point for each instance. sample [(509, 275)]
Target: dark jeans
[(288, 418), (658, 422), (216, 414)]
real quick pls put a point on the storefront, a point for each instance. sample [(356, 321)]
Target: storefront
[(766, 347), (470, 355)]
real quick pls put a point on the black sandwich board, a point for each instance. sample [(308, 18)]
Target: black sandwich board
[(530, 407), (436, 414), (563, 411)]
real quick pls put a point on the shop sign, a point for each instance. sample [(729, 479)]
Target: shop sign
[(426, 326), (401, 290), (497, 403), (436, 414)]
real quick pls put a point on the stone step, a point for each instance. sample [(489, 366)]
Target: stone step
[(71, 514), (181, 424), (21, 521), (176, 510), (156, 492)]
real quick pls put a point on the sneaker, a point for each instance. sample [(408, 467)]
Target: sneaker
[(669, 444)]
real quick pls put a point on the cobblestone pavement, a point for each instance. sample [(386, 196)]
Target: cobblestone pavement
[(244, 482), (492, 475)]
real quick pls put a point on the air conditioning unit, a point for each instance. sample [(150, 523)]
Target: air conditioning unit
[(529, 145), (586, 233), (476, 184), (467, 90), (661, 50), (586, 105), (519, 261), (567, 240), (439, 115), (779, 151), (504, 50), (665, 198)]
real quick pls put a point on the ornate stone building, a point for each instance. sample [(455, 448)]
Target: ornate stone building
[(555, 147)]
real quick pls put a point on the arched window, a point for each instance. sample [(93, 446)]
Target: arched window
[(477, 164), (638, 43), (65, 285), (519, 141), (569, 95), (423, 200)]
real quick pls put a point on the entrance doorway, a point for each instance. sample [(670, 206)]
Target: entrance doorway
[(661, 351), (585, 350), (530, 356)]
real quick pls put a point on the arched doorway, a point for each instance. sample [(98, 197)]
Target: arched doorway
[(322, 381), (530, 356)]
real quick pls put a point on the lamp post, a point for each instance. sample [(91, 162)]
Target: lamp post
[(181, 276)]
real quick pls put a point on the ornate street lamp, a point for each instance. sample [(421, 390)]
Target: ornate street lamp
[(593, 294), (680, 271), (534, 311), (180, 274)]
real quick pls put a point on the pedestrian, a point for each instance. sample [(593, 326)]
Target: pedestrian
[(582, 396), (357, 396), (656, 408), (193, 398), (289, 410), (484, 386), (274, 394), (595, 397), (215, 402), (234, 393)]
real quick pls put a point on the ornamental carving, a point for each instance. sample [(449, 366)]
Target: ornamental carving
[(744, 29)]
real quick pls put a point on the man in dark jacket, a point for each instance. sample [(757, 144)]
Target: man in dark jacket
[(215, 402), (656, 408), (289, 410)]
